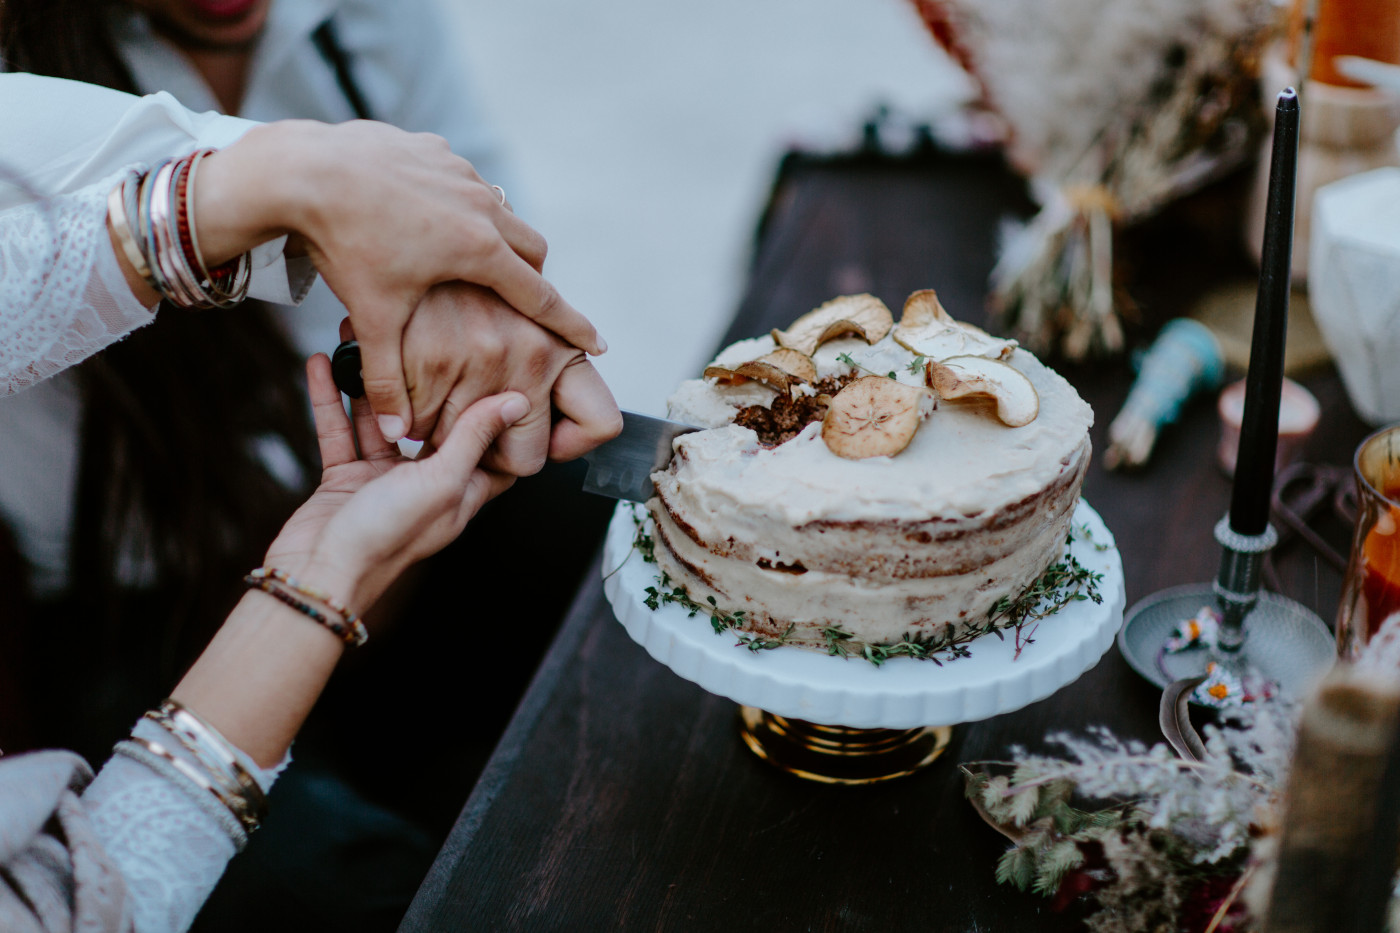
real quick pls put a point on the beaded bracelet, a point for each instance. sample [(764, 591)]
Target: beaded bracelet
[(283, 586)]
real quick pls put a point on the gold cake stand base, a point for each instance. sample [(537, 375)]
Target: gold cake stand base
[(838, 754)]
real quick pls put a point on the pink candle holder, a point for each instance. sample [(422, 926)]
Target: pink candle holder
[(1297, 417)]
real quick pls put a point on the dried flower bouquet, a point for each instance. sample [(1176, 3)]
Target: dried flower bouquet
[(1154, 840), (1113, 108), (1151, 841)]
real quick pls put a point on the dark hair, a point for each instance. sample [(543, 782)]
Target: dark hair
[(176, 420), (62, 39)]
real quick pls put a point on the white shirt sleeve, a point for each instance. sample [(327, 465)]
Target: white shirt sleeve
[(62, 294), (164, 834)]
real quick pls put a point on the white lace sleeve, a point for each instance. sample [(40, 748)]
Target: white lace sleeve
[(168, 837), (62, 294)]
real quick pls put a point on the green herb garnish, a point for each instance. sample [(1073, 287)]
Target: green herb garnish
[(1062, 583)]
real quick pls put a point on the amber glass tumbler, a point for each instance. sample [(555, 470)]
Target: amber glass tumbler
[(1371, 593)]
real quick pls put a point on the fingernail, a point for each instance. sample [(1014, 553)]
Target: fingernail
[(602, 346), (515, 408), (391, 426)]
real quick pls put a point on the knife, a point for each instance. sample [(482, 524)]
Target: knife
[(620, 468)]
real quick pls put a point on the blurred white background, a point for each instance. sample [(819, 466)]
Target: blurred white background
[(644, 135)]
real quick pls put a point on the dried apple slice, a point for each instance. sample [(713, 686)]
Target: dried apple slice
[(966, 376), (874, 417), (927, 329), (780, 369), (862, 315)]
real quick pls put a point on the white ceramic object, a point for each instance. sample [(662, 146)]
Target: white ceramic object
[(900, 694), (1344, 131), (1354, 287)]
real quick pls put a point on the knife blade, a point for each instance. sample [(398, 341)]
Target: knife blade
[(620, 468)]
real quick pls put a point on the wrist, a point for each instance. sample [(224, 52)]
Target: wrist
[(331, 578), (140, 288), (255, 190), (259, 677)]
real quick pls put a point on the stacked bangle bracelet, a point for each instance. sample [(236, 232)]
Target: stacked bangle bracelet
[(214, 752), (202, 757), (310, 601), (152, 216)]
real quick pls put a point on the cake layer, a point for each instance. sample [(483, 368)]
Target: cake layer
[(879, 549), (921, 544), (967, 573)]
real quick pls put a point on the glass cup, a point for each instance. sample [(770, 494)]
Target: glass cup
[(1371, 591)]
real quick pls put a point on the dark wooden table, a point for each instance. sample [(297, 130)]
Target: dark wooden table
[(621, 797)]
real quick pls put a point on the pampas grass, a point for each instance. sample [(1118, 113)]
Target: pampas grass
[(1113, 108)]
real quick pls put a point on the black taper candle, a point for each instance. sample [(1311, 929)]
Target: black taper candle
[(1254, 467)]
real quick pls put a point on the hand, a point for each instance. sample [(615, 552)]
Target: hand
[(385, 216), (376, 513), (464, 343)]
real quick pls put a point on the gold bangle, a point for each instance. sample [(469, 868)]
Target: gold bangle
[(202, 740), (121, 228), (235, 805)]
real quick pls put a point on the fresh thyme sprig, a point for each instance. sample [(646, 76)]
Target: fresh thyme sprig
[(846, 358), (758, 643), (842, 643), (1062, 583), (1089, 537), (915, 366), (643, 542), (664, 593)]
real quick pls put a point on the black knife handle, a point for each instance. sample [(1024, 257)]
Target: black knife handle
[(345, 369)]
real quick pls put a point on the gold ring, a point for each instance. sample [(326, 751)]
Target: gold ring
[(502, 192)]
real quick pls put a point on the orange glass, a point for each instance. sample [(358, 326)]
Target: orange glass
[(1369, 28), (1371, 592)]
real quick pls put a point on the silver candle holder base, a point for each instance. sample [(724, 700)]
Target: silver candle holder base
[(1263, 633)]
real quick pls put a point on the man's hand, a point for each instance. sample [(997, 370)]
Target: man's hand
[(464, 343)]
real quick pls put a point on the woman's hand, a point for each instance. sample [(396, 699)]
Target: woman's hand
[(373, 515), (385, 215), (376, 512)]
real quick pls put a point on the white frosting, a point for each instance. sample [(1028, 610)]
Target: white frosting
[(702, 403), (961, 462), (969, 511)]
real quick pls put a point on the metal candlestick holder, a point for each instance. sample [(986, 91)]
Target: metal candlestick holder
[(1262, 634)]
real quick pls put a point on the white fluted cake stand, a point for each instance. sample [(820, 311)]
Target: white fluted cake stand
[(851, 695)]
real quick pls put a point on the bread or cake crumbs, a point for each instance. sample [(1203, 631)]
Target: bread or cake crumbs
[(790, 414)]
